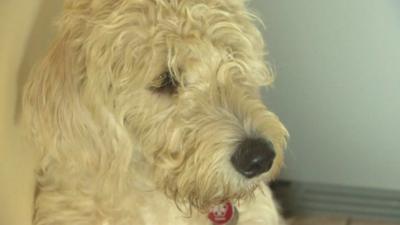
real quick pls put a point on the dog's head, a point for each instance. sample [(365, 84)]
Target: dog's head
[(181, 79)]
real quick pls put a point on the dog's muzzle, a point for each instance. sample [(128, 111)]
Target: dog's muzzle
[(253, 157)]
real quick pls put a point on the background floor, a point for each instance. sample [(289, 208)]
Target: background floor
[(321, 220)]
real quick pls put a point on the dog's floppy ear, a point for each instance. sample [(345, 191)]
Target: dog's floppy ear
[(51, 101), (87, 4), (79, 4), (62, 115)]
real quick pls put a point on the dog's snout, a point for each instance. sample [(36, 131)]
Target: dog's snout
[(253, 157)]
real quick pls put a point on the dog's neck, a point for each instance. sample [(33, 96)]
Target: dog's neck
[(141, 172)]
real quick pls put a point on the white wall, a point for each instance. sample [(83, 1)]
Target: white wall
[(338, 88)]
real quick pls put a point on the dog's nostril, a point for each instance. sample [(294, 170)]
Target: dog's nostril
[(253, 157)]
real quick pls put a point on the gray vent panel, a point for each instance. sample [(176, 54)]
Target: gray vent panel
[(349, 201)]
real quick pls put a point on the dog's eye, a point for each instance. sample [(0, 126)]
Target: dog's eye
[(165, 84)]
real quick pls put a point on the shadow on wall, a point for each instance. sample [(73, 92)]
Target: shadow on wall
[(41, 35)]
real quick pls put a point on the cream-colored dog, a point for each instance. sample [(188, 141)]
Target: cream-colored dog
[(147, 112)]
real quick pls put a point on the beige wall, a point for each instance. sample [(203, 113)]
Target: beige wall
[(25, 31)]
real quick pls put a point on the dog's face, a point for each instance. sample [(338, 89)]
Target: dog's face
[(195, 107), (183, 77)]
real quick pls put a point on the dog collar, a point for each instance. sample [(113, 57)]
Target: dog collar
[(224, 214)]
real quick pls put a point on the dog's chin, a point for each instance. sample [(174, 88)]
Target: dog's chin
[(209, 190), (247, 193), (203, 203), (205, 199)]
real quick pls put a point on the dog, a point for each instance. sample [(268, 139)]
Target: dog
[(148, 112)]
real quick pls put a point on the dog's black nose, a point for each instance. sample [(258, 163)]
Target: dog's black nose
[(253, 157)]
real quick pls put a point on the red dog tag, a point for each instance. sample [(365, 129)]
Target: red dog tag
[(222, 214)]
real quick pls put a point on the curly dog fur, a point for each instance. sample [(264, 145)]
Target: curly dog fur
[(137, 108)]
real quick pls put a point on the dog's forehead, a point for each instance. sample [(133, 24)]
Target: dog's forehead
[(205, 33), (181, 3), (191, 35)]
